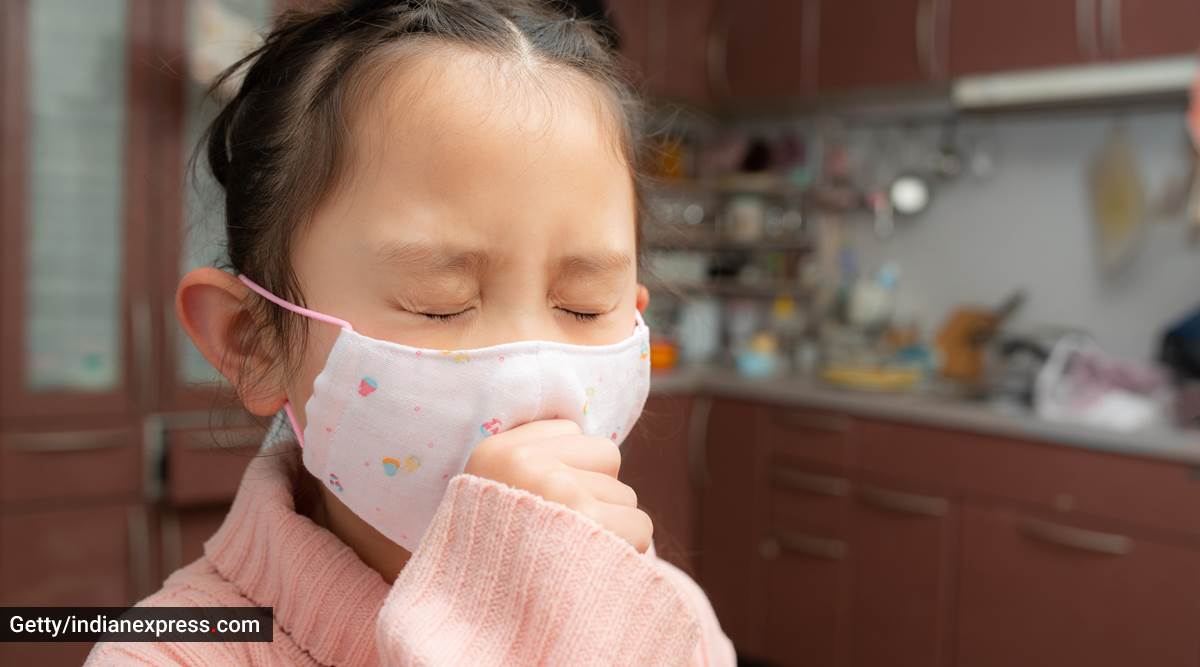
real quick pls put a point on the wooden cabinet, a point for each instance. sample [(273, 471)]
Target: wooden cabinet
[(766, 50), (657, 461), (42, 467), (1147, 28), (904, 549), (632, 19), (668, 40), (807, 565), (732, 521), (880, 42), (807, 585), (987, 36), (1038, 590)]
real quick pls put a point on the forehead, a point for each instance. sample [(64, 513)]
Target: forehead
[(446, 119)]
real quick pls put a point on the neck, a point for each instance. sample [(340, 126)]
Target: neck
[(378, 552)]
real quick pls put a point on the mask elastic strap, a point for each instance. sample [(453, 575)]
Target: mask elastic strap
[(258, 289)]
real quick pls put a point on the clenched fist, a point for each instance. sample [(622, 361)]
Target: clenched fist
[(554, 460)]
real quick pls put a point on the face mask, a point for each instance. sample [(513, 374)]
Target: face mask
[(388, 425)]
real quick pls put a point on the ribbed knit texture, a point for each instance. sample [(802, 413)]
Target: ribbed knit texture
[(502, 577)]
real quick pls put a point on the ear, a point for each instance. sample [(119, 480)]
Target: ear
[(643, 298), (209, 306)]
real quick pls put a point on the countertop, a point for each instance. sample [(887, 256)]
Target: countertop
[(1160, 442)]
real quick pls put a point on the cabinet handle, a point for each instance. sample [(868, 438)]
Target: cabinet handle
[(139, 551), (813, 421), (924, 37), (904, 503), (1077, 538), (68, 441), (817, 485), (1085, 28), (1110, 27), (801, 545), (142, 341), (697, 452), (717, 55)]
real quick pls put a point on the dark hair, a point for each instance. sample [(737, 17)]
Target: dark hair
[(277, 147)]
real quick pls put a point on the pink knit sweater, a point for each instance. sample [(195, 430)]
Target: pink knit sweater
[(503, 577)]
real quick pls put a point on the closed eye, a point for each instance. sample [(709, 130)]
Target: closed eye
[(446, 317), (583, 317)]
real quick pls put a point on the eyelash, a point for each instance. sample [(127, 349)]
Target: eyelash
[(446, 317)]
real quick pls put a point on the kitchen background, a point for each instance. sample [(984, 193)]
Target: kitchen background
[(925, 277)]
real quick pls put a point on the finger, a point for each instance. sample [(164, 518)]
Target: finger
[(606, 488), (583, 452), (629, 523), (545, 428)]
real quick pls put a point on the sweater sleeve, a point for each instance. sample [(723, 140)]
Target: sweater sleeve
[(504, 576)]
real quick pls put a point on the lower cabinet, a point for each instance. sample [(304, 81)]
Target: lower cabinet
[(807, 582), (1041, 590), (903, 553), (79, 556), (865, 559)]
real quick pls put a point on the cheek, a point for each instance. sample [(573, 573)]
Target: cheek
[(320, 341)]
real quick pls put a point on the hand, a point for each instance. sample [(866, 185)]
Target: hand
[(554, 460)]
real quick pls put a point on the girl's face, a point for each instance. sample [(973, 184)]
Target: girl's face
[(484, 204)]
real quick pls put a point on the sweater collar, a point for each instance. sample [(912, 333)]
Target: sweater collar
[(324, 597)]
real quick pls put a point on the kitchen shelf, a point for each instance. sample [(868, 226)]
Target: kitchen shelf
[(718, 243), (731, 289)]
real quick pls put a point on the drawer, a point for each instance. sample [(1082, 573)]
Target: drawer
[(1040, 590), (823, 438), (807, 501), (204, 467), (79, 556), (1069, 480), (71, 465), (185, 531)]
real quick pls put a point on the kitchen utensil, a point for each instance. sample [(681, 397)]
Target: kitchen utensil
[(1118, 203), (699, 330)]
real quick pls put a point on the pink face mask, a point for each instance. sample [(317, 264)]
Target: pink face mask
[(388, 425)]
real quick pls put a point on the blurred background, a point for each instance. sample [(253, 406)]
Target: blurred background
[(925, 300)]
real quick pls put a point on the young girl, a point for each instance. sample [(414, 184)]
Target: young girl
[(431, 209)]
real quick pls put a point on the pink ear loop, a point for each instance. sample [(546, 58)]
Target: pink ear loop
[(258, 289)]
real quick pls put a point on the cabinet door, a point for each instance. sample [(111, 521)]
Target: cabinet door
[(184, 532), (78, 556), (731, 522), (655, 461), (807, 584), (193, 217), (632, 21), (94, 556), (38, 467), (1039, 591), (989, 36), (769, 49), (679, 59), (1144, 28), (904, 549), (74, 205), (874, 42)]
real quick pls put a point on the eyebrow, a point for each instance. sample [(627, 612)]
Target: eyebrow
[(600, 262), (441, 259)]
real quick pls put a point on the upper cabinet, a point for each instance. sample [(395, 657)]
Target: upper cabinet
[(764, 49), (880, 42), (669, 42), (988, 36), (1147, 28), (201, 38), (734, 52), (75, 165)]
